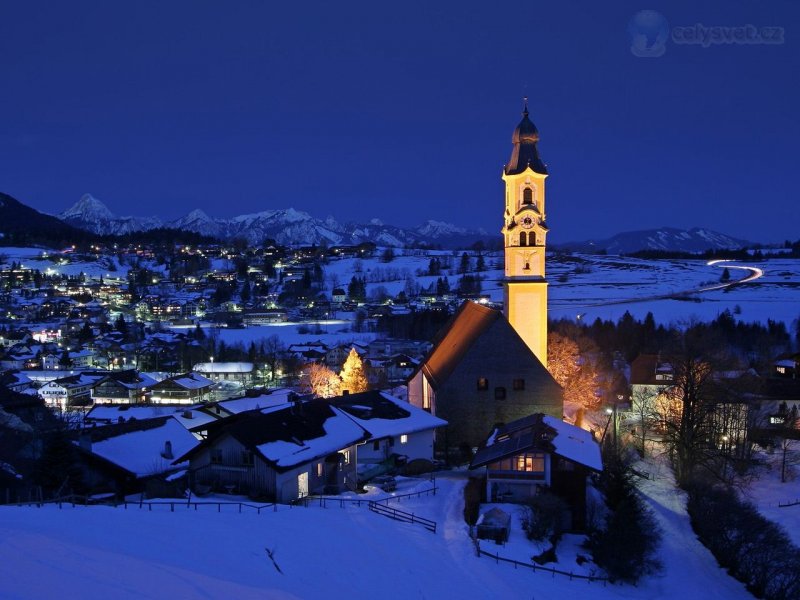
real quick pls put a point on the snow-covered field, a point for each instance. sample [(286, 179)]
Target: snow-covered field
[(103, 552), (587, 285)]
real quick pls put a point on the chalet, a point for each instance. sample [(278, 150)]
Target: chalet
[(479, 373), (189, 388), (239, 372), (535, 453), (286, 453), (395, 427), (123, 387), (121, 458), (72, 391)]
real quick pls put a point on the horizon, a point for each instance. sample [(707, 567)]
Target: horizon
[(401, 114)]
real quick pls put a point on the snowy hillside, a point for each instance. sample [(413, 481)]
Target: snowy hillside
[(102, 552)]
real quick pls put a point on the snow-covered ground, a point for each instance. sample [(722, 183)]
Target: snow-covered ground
[(767, 493), (102, 552)]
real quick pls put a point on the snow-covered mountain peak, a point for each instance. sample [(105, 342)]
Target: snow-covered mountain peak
[(197, 215), (436, 229), (88, 208)]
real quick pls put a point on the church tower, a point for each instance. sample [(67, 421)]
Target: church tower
[(524, 236)]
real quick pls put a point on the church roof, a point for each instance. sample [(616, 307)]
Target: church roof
[(525, 154), (455, 338)]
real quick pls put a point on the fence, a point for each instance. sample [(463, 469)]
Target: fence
[(324, 501), (401, 515), (75, 500), (789, 503), (534, 567)]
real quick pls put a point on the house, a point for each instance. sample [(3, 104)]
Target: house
[(479, 373), (650, 376), (121, 458), (123, 387), (264, 316), (239, 372), (400, 367), (72, 391), (193, 418), (282, 453), (189, 388), (395, 427), (787, 366), (535, 453)]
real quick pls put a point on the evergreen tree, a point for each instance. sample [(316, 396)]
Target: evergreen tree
[(463, 267), (85, 334), (354, 379), (120, 325)]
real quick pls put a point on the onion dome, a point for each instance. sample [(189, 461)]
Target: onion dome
[(525, 154)]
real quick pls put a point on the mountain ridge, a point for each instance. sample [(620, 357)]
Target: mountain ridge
[(292, 226)]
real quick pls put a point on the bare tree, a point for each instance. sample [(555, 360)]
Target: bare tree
[(683, 413), (644, 405), (321, 381)]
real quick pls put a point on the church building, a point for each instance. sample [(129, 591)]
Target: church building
[(488, 367)]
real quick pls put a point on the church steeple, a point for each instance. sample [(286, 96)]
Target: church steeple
[(525, 154), (525, 238)]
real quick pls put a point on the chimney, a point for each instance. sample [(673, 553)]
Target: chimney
[(167, 453)]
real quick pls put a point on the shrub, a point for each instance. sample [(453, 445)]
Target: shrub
[(544, 518), (472, 500), (625, 547), (753, 549)]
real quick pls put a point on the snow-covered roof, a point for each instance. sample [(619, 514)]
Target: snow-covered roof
[(277, 397), (339, 432), (141, 451), (575, 443), (383, 415), (224, 367), (192, 381), (189, 417)]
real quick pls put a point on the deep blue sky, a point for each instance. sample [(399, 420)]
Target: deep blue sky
[(402, 111)]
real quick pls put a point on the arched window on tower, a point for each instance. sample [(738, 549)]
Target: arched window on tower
[(527, 196), (523, 239), (532, 238)]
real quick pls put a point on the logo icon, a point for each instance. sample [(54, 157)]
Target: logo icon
[(649, 32)]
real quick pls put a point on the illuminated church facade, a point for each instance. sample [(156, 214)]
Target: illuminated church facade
[(488, 367)]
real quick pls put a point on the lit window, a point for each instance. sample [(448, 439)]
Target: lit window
[(530, 463), (483, 383), (345, 456), (319, 469), (519, 384), (499, 393), (404, 439)]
